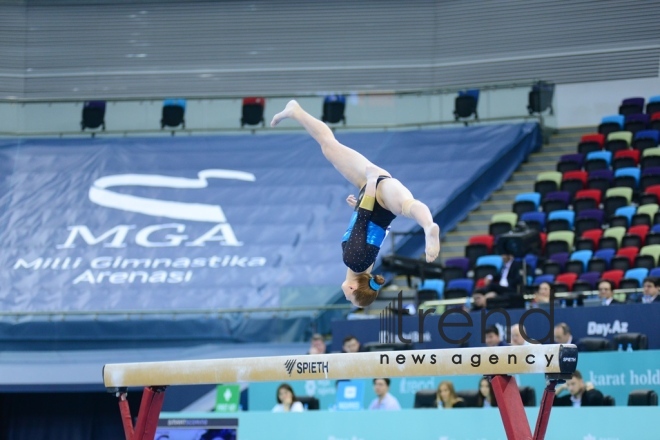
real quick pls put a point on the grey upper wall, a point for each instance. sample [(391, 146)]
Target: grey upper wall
[(113, 49)]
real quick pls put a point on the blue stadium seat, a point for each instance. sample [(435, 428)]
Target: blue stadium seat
[(535, 220), (638, 273), (583, 257), (598, 160), (628, 177), (437, 285), (561, 220)]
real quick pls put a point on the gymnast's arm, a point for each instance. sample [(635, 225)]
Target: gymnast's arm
[(355, 252)]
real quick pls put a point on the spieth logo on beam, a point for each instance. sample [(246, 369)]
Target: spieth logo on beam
[(306, 367), (289, 365)]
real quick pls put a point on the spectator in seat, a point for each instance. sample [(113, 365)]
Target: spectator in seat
[(509, 278), (384, 400), (606, 293), (492, 337), (543, 294), (317, 345), (579, 393), (650, 287), (486, 396), (351, 345), (563, 334), (286, 400), (516, 336), (446, 396)]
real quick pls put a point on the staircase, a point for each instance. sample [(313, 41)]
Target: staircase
[(522, 180)]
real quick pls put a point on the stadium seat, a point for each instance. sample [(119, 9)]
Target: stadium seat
[(638, 341), (593, 343), (637, 122), (590, 142), (653, 105), (650, 177), (588, 279), (252, 111), (646, 139), (600, 262), (465, 105), (636, 236), (426, 399), (588, 219), (559, 241), (588, 239), (586, 199), (545, 278), (487, 265), (650, 158), (615, 276), (534, 220), (609, 124), (600, 180), (625, 159), (547, 181), (459, 288), (555, 201), (478, 245), (624, 259), (648, 256), (555, 263), (526, 202), (570, 162), (645, 214), (334, 107), (627, 178), (598, 160), (455, 268), (501, 223), (573, 181), (643, 398), (582, 257), (630, 106), (636, 274), (611, 238), (655, 121), (616, 198), (567, 279), (618, 140), (173, 113), (561, 220), (623, 216)]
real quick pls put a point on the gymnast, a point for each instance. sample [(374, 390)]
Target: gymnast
[(380, 200)]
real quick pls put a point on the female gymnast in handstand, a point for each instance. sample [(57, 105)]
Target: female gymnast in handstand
[(380, 200)]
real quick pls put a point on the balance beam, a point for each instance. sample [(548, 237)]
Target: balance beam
[(486, 361), (556, 361)]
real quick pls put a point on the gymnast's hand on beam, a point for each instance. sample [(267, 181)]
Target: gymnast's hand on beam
[(351, 200)]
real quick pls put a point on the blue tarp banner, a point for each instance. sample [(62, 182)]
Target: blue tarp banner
[(206, 222)]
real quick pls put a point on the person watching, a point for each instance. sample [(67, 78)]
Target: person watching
[(563, 334), (516, 336), (650, 287), (351, 345), (486, 396), (580, 393), (446, 396), (384, 400), (286, 400), (492, 337), (606, 293), (317, 345)]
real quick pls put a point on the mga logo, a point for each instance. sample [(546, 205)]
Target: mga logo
[(109, 192), (289, 365)]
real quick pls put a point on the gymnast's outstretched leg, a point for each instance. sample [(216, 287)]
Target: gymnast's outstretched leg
[(347, 161), (398, 199)]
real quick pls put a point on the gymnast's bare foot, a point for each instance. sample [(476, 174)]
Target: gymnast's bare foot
[(432, 236), (288, 112)]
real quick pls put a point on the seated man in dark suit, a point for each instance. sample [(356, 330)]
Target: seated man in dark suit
[(606, 293), (650, 287), (580, 393), (506, 285)]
